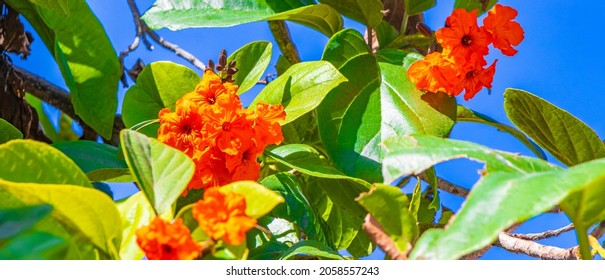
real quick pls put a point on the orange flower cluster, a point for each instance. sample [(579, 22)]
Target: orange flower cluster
[(462, 64), (222, 214), (162, 240), (223, 139)]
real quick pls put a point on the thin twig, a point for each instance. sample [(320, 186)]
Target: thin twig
[(447, 186), (543, 235), (142, 31), (284, 40)]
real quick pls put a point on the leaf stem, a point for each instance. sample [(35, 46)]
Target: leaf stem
[(284, 41), (583, 242)]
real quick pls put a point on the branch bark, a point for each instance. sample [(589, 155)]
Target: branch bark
[(543, 235), (280, 31), (533, 249)]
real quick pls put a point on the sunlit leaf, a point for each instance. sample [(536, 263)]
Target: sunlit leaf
[(310, 248), (251, 62), (259, 199)]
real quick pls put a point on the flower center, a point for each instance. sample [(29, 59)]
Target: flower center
[(470, 74), (467, 40), (187, 129), (211, 100), (166, 248), (226, 126)]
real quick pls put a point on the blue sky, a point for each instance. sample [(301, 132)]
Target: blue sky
[(560, 60)]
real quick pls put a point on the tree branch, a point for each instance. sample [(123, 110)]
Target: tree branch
[(60, 99), (533, 249), (284, 40), (447, 186), (142, 31), (382, 240), (543, 235)]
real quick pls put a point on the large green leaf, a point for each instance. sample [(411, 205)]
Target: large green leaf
[(468, 115), (413, 7), (389, 206), (180, 14), (86, 211), (86, 57), (63, 133), (302, 88), (368, 12), (481, 5), (158, 86), (412, 154), (161, 172), (285, 5), (296, 208), (91, 156), (344, 46), (59, 6), (564, 136), (307, 160), (17, 220), (501, 199), (334, 201), (259, 199), (251, 61), (34, 245), (29, 161), (136, 212), (8, 132), (393, 107)]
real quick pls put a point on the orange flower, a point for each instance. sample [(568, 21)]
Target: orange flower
[(266, 119), (476, 77), (162, 240), (244, 166), (210, 170), (434, 73), (462, 37), (222, 214), (230, 128), (506, 33), (181, 130), (211, 91)]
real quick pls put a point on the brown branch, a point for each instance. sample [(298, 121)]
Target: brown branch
[(284, 40), (142, 31), (533, 249), (599, 231), (447, 186), (382, 240), (60, 99), (543, 235)]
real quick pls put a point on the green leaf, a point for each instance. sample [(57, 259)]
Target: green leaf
[(301, 89), (381, 111), (111, 175), (296, 208), (307, 160), (180, 14), (343, 46), (310, 248), (389, 206), (468, 115), (34, 246), (135, 212), (252, 60), (158, 86), (501, 199), (564, 136), (259, 199), (64, 133), (385, 33), (14, 221), (368, 12), (161, 172), (85, 56), (8, 132), (91, 156), (82, 210), (413, 7), (334, 202), (59, 6), (29, 161), (285, 5), (412, 154), (479, 5), (270, 250)]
